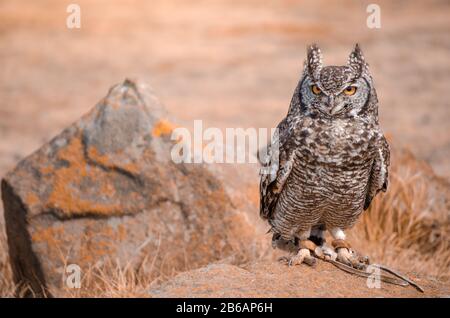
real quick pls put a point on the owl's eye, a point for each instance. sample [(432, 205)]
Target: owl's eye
[(350, 90), (315, 89)]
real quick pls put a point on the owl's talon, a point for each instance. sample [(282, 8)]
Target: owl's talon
[(302, 256), (329, 253), (311, 261), (283, 259), (350, 258), (365, 260)]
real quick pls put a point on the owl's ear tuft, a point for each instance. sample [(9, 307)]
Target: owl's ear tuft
[(357, 62), (314, 62)]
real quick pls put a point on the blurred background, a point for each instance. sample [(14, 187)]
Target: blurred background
[(236, 64), (229, 63)]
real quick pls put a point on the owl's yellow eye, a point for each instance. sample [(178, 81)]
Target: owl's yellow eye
[(351, 90), (315, 89)]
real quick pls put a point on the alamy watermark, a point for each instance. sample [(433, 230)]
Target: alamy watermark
[(374, 19), (374, 278), (73, 279), (73, 20), (234, 145)]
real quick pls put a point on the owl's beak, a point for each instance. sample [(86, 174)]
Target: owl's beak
[(333, 107), (337, 108)]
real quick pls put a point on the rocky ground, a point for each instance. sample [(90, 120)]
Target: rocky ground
[(230, 65), (269, 279)]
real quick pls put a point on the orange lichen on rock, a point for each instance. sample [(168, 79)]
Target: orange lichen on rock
[(65, 197), (105, 161), (48, 235), (108, 189), (32, 198), (99, 242), (53, 238), (46, 170), (163, 128), (94, 244), (121, 232)]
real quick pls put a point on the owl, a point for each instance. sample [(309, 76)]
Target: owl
[(327, 161)]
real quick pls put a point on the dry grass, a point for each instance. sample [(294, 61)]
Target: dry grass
[(6, 282), (407, 228), (112, 279)]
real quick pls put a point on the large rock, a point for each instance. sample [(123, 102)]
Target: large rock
[(106, 187), (272, 279)]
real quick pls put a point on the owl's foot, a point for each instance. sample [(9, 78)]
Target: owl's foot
[(303, 255), (348, 256)]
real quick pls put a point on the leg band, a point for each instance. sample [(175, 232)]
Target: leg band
[(337, 243), (308, 244)]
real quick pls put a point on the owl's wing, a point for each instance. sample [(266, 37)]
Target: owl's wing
[(276, 168), (378, 180)]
